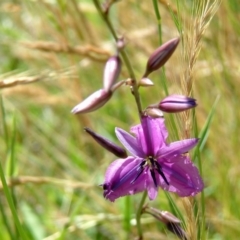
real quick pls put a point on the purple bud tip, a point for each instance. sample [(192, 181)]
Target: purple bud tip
[(92, 102), (177, 103), (160, 56), (176, 229), (107, 144), (111, 72)]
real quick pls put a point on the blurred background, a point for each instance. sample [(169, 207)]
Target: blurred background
[(52, 56)]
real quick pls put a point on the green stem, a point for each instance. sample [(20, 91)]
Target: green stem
[(4, 123), (124, 57), (138, 215), (159, 23), (158, 15), (9, 198)]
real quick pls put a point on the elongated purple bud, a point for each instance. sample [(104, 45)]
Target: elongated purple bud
[(172, 223), (107, 144), (177, 103), (176, 229), (111, 72), (160, 56), (93, 102)]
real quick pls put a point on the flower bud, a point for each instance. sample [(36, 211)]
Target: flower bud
[(172, 223), (145, 82), (107, 144), (177, 103), (121, 43), (160, 56), (93, 102), (154, 113), (111, 72)]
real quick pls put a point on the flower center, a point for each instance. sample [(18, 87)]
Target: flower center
[(153, 165)]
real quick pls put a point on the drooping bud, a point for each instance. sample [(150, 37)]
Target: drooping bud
[(177, 103), (93, 102), (107, 144), (172, 223), (111, 72), (145, 82), (160, 56)]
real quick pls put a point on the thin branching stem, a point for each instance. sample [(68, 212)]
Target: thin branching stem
[(124, 57), (138, 215), (158, 16)]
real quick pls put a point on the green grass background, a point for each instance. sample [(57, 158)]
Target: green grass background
[(53, 168)]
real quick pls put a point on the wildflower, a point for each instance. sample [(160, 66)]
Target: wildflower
[(160, 56), (172, 223), (92, 102), (177, 103), (153, 163), (111, 72), (107, 144)]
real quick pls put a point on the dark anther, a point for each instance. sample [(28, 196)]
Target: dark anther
[(153, 177), (139, 171), (159, 170), (105, 186)]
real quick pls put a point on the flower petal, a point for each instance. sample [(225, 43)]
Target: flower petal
[(107, 144), (151, 188), (129, 142), (183, 176), (178, 147), (151, 135), (119, 176)]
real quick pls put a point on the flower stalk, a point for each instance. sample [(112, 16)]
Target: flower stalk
[(134, 87), (138, 215)]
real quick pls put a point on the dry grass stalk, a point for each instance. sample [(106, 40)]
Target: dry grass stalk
[(192, 225), (192, 39), (89, 51), (202, 14), (22, 180), (167, 5), (14, 81), (193, 33)]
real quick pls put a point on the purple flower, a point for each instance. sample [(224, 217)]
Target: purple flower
[(154, 163), (111, 72), (160, 56), (92, 102), (177, 103)]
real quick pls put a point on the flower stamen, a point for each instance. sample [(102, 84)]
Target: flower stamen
[(139, 170), (155, 165), (154, 177), (159, 170)]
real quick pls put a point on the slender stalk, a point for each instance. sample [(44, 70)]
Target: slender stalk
[(159, 20), (125, 58), (138, 216), (4, 123), (127, 216), (9, 198)]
